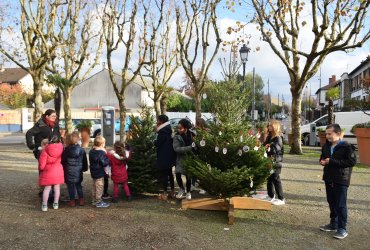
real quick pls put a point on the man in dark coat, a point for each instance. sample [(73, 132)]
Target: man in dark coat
[(166, 156)]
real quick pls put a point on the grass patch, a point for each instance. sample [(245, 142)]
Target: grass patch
[(359, 165), (308, 152)]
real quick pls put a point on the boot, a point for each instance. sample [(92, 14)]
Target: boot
[(172, 194), (72, 203), (81, 201), (163, 196)]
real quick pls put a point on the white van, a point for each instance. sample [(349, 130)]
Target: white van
[(346, 120)]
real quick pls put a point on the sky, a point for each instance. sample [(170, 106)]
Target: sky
[(265, 62)]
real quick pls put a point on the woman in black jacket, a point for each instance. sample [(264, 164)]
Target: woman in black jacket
[(74, 161), (45, 128), (166, 156), (338, 157)]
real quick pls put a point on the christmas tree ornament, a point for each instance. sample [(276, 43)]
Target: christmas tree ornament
[(268, 149), (224, 151), (202, 143), (256, 148), (220, 133), (265, 155), (217, 149), (240, 152), (258, 135), (204, 96), (193, 145), (245, 148), (251, 182), (272, 171)]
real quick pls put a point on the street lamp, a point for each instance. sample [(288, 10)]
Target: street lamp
[(244, 50)]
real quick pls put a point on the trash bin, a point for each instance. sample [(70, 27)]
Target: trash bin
[(108, 119)]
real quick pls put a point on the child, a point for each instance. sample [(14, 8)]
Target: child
[(338, 158), (98, 161), (51, 171), (182, 144), (117, 159), (274, 149), (74, 161)]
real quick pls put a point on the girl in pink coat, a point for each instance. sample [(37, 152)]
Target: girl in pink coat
[(51, 171), (117, 159)]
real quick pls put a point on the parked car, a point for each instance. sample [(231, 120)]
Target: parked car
[(96, 124), (345, 119), (117, 126)]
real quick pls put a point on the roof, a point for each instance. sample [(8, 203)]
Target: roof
[(12, 75), (367, 60)]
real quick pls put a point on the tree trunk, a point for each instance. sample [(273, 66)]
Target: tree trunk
[(67, 110), (38, 82), (198, 108), (157, 107), (163, 104), (331, 118), (122, 119), (296, 123), (57, 101)]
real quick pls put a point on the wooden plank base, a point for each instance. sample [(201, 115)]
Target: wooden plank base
[(245, 203)]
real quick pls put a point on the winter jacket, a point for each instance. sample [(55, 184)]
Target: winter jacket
[(98, 160), (276, 151), (166, 156), (342, 159), (50, 166), (74, 161), (118, 166), (181, 150), (38, 132)]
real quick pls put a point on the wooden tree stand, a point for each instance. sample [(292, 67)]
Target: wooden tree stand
[(222, 205)]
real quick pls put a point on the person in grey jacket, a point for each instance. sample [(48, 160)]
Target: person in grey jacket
[(183, 144)]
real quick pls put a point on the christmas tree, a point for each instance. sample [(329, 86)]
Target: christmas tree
[(229, 160), (141, 171)]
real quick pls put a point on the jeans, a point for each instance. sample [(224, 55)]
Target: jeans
[(72, 187), (274, 181), (181, 185), (336, 196)]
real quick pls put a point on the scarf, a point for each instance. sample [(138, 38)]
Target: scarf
[(48, 122), (162, 126)]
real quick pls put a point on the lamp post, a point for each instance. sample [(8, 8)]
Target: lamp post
[(244, 50)]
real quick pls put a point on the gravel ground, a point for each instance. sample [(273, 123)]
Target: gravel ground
[(147, 223)]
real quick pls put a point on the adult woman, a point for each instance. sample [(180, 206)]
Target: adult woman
[(45, 128), (166, 156)]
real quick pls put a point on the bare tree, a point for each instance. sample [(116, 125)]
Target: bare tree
[(37, 21), (195, 21), (80, 51), (336, 26), (162, 57), (119, 26)]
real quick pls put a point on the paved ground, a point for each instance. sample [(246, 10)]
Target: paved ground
[(147, 223)]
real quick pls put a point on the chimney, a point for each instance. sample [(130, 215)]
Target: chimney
[(332, 80)]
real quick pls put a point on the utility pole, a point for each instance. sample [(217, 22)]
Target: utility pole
[(268, 100)]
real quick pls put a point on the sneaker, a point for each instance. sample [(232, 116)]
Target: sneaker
[(102, 204), (328, 228), (106, 197), (268, 198), (278, 202), (188, 196), (163, 196), (44, 208), (171, 194), (340, 234), (180, 194), (202, 191), (55, 205)]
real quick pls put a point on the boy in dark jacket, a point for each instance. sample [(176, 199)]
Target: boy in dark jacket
[(98, 161), (338, 158), (74, 161)]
